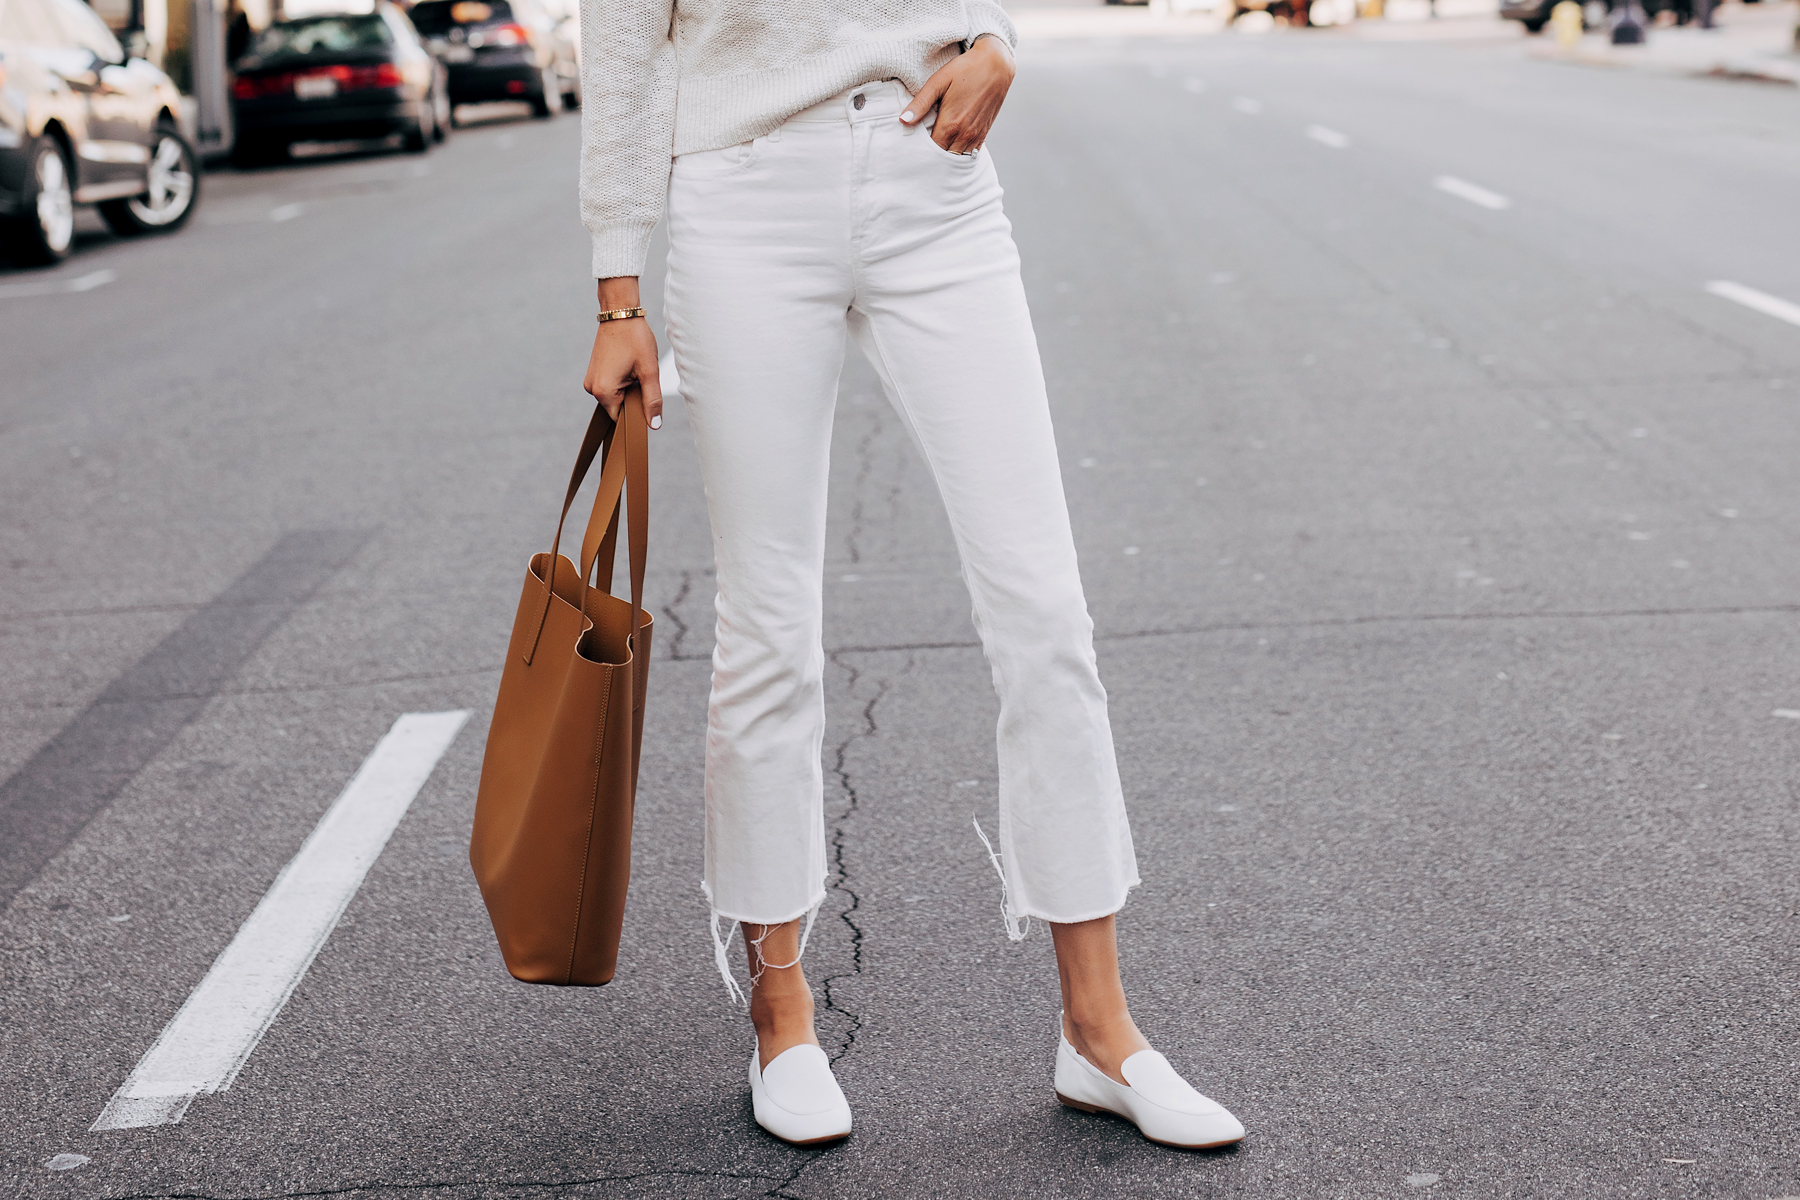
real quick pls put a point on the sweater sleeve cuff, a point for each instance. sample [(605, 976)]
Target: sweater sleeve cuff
[(620, 247), (985, 17)]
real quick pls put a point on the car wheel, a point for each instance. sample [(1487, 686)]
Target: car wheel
[(544, 100), (418, 138), (173, 189), (45, 232), (1534, 24)]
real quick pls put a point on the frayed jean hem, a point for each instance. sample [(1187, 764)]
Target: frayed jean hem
[(1018, 923), (723, 962)]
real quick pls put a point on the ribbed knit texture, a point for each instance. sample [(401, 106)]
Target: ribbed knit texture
[(659, 80)]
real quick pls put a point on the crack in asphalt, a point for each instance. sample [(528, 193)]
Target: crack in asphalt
[(841, 882), (840, 870), (550, 1184), (865, 467), (1723, 610), (671, 610)]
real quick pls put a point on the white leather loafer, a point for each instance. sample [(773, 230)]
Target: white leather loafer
[(797, 1098), (1158, 1101)]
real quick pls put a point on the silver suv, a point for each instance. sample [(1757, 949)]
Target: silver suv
[(81, 123)]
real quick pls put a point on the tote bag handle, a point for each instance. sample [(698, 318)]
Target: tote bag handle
[(624, 474)]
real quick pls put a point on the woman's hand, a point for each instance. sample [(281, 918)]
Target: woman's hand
[(967, 91), (624, 354)]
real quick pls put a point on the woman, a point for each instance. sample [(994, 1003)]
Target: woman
[(821, 171)]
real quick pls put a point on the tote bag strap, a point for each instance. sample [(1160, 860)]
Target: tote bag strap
[(598, 437), (626, 470)]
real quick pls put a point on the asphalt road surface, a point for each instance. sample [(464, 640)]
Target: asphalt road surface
[(1440, 529)]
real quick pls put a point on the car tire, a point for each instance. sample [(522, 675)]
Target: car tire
[(1534, 24), (173, 189), (548, 98), (44, 235), (418, 138)]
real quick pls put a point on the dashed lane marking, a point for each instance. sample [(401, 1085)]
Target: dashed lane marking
[(1328, 137), (202, 1049), (1762, 302), (57, 287), (1462, 189)]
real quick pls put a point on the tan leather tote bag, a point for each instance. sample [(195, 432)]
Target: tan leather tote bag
[(551, 846)]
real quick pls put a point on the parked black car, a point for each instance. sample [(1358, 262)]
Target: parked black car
[(501, 50), (337, 77), (80, 123)]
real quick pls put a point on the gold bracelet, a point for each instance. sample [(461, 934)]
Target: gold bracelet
[(619, 314)]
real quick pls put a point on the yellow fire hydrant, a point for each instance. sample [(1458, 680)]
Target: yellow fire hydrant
[(1565, 19)]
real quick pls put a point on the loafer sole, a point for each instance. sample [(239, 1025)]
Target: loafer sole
[(1083, 1106), (818, 1141)]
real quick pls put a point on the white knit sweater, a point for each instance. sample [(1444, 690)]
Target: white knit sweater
[(658, 79)]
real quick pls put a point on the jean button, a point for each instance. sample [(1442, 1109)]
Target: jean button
[(859, 100)]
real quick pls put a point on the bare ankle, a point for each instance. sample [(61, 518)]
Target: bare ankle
[(1098, 1021), (1106, 1038), (780, 1007)]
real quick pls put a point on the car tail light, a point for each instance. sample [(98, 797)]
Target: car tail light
[(510, 34), (249, 87), (381, 75), (349, 79)]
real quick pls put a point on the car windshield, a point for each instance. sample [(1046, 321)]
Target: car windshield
[(440, 16), (322, 35)]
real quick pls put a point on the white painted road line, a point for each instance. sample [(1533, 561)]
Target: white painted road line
[(1328, 137), (1762, 302), (286, 212), (57, 287), (202, 1049), (1473, 193)]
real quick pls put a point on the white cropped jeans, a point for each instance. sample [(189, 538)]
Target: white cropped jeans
[(845, 222)]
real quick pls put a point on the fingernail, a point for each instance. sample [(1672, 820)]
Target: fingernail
[(656, 421), (908, 117)]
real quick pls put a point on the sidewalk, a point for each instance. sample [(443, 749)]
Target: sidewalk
[(1113, 21), (1752, 41), (1406, 20)]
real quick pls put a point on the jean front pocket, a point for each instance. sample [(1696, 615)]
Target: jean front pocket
[(926, 133)]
